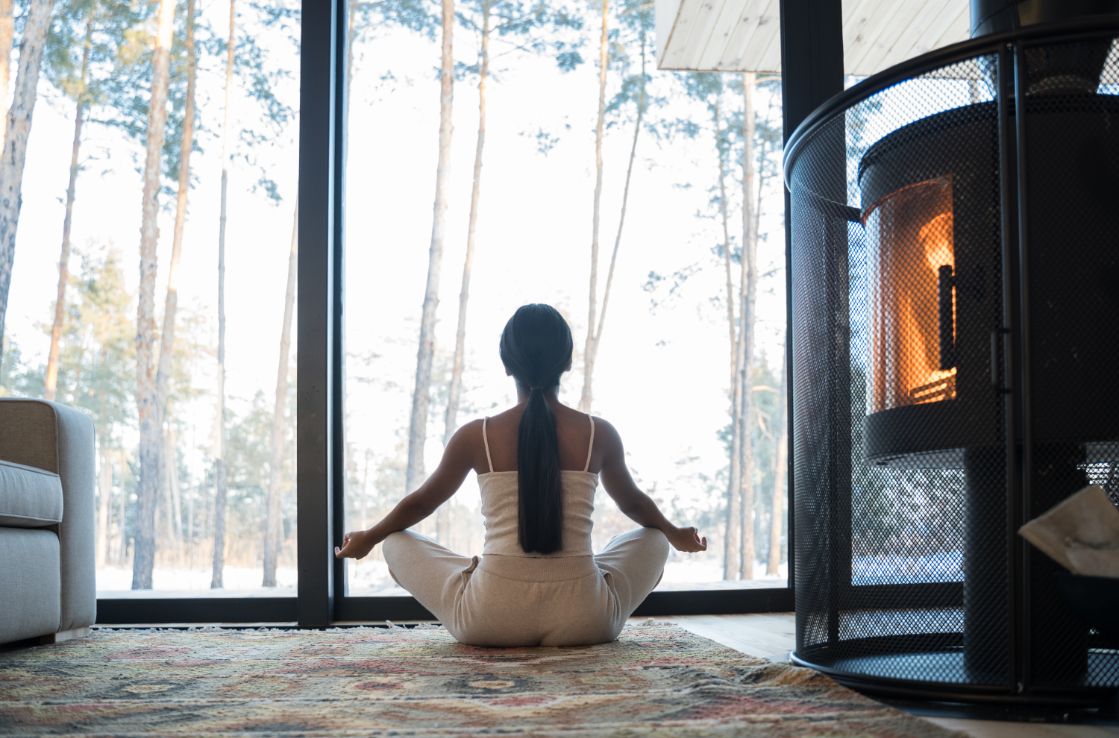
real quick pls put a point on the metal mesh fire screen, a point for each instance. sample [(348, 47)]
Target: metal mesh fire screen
[(955, 311)]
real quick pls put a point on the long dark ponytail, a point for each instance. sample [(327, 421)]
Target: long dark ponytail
[(536, 349)]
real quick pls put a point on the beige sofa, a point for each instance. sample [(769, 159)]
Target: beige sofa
[(47, 562)]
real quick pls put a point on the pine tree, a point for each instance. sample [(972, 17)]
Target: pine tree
[(710, 89), (748, 293), (147, 399), (637, 22), (585, 398), (421, 392), (182, 193), (454, 390), (80, 106), (757, 138), (171, 298), (273, 524), (85, 35), (220, 492), (16, 132)]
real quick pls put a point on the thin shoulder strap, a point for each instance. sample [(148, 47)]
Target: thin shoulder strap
[(590, 447), (486, 441)]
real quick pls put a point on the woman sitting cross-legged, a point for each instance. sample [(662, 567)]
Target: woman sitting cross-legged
[(538, 581)]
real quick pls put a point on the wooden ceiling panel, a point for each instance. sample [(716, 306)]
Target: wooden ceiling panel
[(743, 35)]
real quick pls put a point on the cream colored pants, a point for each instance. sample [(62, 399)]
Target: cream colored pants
[(496, 600)]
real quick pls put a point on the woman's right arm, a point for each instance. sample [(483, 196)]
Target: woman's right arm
[(634, 503), (458, 459)]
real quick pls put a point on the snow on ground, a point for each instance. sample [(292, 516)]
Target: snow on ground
[(371, 577)]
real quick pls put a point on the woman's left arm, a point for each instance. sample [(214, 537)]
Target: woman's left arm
[(457, 461)]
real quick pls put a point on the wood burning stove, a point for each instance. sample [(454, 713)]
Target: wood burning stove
[(955, 307), (928, 191)]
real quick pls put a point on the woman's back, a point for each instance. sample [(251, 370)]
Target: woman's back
[(500, 494)]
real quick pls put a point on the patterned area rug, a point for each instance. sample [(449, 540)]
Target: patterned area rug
[(657, 679)]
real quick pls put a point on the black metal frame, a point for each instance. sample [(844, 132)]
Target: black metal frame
[(811, 38), (319, 350)]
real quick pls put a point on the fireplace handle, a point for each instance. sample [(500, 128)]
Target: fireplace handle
[(999, 349), (945, 285)]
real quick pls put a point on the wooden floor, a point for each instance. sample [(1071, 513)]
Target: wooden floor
[(771, 636)]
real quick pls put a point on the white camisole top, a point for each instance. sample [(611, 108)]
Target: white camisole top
[(500, 508)]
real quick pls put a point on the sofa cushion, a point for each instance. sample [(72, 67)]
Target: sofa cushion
[(30, 602), (29, 497)]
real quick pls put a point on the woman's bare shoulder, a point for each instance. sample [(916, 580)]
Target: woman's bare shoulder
[(607, 446), (605, 430), (471, 427), (464, 438)]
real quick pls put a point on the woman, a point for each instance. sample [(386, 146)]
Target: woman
[(538, 581)]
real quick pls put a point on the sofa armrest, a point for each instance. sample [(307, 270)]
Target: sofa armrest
[(60, 439)]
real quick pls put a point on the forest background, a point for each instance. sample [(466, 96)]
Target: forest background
[(499, 152)]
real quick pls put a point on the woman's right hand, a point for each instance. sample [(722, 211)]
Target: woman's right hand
[(687, 540), (355, 545)]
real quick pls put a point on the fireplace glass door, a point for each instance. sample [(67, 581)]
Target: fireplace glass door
[(911, 249)]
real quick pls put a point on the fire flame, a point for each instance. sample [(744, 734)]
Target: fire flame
[(909, 226), (936, 237)]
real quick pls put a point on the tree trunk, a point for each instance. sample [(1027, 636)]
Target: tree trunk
[(122, 512), (171, 301), (164, 508), (454, 392), (51, 382), (189, 535), (218, 562), (730, 533), (591, 351), (14, 155), (7, 34), (273, 519), (780, 471), (123, 466), (174, 493), (147, 401), (417, 431), (748, 288), (585, 397)]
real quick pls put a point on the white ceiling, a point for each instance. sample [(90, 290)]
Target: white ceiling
[(744, 35)]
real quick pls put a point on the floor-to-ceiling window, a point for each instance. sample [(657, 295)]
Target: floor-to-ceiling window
[(153, 276), (645, 205)]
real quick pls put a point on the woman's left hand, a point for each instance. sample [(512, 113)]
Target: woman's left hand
[(687, 540), (355, 545)]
